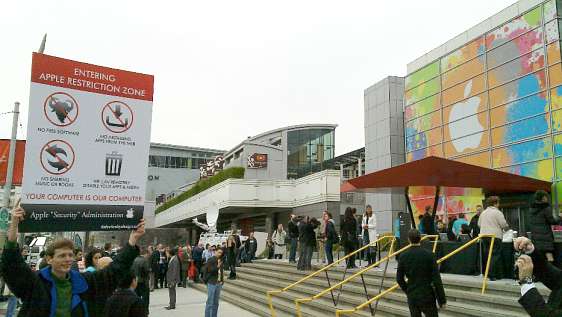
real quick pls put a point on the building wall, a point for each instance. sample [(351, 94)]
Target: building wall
[(275, 161), (384, 144), (493, 100)]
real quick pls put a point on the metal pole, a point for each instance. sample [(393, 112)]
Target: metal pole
[(11, 161)]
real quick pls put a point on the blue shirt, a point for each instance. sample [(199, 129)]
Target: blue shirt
[(458, 224)]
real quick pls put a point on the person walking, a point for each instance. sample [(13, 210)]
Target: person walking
[(331, 236), (540, 223), (492, 221), (251, 247), (125, 302), (294, 237), (424, 285), (73, 289), (173, 277), (369, 232), (154, 268), (162, 264), (213, 276), (231, 256), (349, 236), (278, 239), (141, 269)]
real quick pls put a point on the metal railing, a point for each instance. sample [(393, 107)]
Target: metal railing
[(441, 260), (300, 301), (270, 294)]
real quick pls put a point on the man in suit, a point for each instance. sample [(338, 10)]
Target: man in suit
[(424, 284), (173, 277), (534, 263)]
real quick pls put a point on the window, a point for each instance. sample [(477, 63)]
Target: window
[(171, 162), (308, 150)]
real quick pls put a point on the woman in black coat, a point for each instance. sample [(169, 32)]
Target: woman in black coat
[(307, 239), (349, 236), (540, 224)]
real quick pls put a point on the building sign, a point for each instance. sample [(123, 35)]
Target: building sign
[(212, 167), (18, 163), (257, 160), (86, 155)]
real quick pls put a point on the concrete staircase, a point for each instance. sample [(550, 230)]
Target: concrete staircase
[(463, 293)]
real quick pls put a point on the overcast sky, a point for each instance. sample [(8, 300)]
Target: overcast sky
[(225, 70)]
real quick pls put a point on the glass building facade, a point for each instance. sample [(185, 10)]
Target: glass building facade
[(495, 102), (308, 150)]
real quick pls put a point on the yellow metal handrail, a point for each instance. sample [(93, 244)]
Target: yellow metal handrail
[(391, 254), (441, 260), (276, 292)]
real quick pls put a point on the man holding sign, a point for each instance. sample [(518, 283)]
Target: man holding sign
[(57, 290)]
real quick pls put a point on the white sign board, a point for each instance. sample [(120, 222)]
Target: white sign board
[(86, 154)]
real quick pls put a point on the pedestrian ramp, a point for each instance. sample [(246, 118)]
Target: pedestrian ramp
[(464, 296)]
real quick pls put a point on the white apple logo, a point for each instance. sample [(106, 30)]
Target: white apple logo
[(469, 125)]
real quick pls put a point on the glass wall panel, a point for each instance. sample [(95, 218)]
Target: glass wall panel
[(516, 89), (516, 68), (426, 73), (468, 125), (540, 170), (468, 144), (549, 9), (551, 31), (422, 91), (463, 54), (556, 121), (463, 72), (523, 129), (515, 27), (522, 152), (424, 139), (423, 107), (465, 108), (435, 150), (519, 109), (464, 90), (516, 47), (308, 150), (555, 74), (553, 52), (480, 159), (557, 139), (423, 123)]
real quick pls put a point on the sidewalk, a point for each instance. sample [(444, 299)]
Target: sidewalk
[(190, 302)]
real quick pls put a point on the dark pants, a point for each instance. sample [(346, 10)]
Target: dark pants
[(349, 248), (172, 292), (329, 245), (429, 309), (143, 291), (198, 265), (232, 265), (162, 276), (293, 252), (495, 271)]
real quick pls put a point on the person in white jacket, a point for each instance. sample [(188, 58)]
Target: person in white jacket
[(369, 232)]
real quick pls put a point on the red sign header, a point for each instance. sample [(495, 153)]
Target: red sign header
[(66, 73)]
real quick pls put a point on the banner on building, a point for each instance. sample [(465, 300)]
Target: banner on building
[(18, 162), (212, 167), (87, 147), (257, 160)]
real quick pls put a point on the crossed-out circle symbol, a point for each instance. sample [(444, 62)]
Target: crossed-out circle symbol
[(117, 116), (57, 157), (61, 109)]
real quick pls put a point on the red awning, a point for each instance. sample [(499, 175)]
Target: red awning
[(436, 171)]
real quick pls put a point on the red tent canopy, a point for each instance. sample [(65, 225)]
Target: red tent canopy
[(436, 171)]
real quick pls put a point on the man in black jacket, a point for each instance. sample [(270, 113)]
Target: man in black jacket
[(424, 284), (534, 263), (294, 237), (125, 302), (78, 294), (141, 269), (251, 246)]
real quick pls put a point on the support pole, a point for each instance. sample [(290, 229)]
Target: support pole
[(409, 205), (436, 200), (11, 162)]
